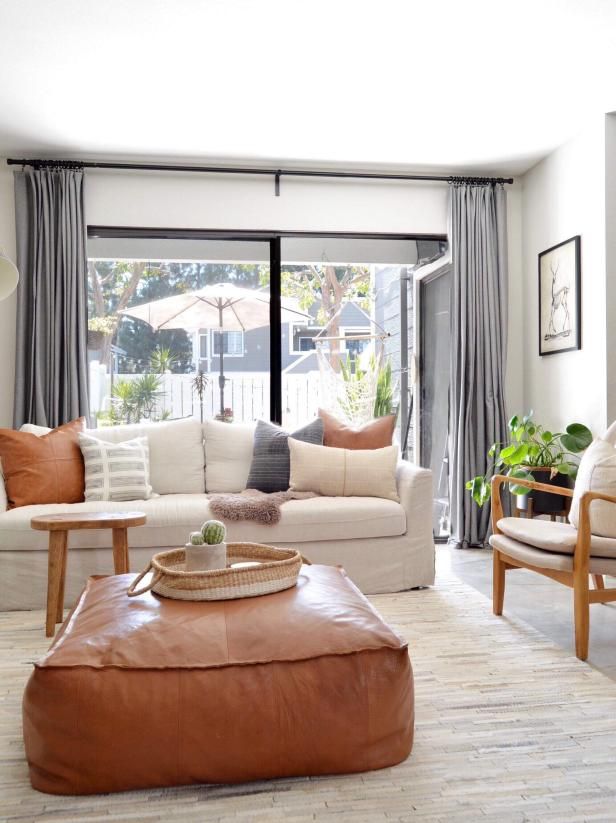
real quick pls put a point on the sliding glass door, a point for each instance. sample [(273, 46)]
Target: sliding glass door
[(435, 344), (178, 328), (243, 326)]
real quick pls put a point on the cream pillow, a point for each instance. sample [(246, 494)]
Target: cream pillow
[(116, 471), (597, 473), (343, 472)]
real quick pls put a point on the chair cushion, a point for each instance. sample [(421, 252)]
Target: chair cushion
[(171, 517), (597, 473), (176, 453), (43, 469), (553, 537), (548, 560), (228, 455), (376, 434)]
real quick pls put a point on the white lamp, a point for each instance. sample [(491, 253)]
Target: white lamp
[(9, 276)]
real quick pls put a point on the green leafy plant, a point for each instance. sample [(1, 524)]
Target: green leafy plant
[(532, 446), (384, 402), (162, 360), (199, 385), (132, 400), (105, 325)]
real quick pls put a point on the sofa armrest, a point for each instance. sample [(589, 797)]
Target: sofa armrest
[(415, 491), (4, 503)]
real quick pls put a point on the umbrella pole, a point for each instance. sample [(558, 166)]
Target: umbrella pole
[(221, 375)]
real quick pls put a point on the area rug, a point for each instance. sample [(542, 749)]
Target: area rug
[(509, 728)]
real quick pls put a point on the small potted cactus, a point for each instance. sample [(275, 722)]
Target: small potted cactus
[(206, 548)]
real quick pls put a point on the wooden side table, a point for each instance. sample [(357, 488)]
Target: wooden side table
[(58, 526)]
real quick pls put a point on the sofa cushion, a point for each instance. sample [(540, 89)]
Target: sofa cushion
[(376, 434), (228, 454), (176, 453), (344, 472), (597, 473), (553, 537), (116, 471), (270, 468), (42, 469), (171, 517)]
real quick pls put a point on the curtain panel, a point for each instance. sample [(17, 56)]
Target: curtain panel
[(51, 367), (478, 237)]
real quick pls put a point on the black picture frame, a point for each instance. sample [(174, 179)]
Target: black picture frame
[(560, 297)]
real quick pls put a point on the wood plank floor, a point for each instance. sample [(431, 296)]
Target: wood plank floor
[(510, 727)]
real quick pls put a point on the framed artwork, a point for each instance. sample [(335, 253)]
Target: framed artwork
[(560, 298)]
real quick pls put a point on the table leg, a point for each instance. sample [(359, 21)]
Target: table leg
[(60, 612), (55, 555), (120, 551)]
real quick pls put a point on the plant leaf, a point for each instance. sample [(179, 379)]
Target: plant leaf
[(577, 438)]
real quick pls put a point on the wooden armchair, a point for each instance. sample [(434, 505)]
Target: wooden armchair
[(556, 550)]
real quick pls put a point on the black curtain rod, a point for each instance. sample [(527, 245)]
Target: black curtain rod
[(275, 173)]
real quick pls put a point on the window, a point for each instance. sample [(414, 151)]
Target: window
[(302, 338), (354, 346), (233, 343)]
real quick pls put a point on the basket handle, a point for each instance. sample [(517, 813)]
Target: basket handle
[(305, 560), (133, 592)]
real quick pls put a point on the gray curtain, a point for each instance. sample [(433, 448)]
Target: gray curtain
[(478, 237), (51, 367)]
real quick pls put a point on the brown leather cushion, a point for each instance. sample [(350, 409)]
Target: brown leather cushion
[(46, 469), (373, 435), (166, 692)]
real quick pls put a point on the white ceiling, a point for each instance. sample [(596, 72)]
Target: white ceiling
[(481, 85)]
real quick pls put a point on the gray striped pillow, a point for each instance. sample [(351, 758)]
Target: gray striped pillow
[(271, 463), (116, 471)]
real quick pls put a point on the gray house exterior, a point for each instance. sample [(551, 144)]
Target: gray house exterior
[(254, 345)]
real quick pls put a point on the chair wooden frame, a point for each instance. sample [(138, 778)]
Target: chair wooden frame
[(578, 579)]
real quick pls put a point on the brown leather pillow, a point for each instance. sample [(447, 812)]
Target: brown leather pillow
[(373, 435), (45, 469)]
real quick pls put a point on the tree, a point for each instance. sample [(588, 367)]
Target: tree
[(329, 288), (118, 284)]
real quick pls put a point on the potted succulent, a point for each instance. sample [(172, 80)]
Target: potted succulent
[(535, 453), (206, 548)]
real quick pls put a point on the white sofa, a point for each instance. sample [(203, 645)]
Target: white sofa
[(383, 545)]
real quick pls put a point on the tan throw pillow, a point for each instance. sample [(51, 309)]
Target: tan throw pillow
[(597, 473), (43, 469), (373, 435), (343, 472)]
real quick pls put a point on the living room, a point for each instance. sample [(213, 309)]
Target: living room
[(280, 335)]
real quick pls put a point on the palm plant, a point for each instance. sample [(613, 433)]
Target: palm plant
[(384, 401), (162, 360), (199, 385)]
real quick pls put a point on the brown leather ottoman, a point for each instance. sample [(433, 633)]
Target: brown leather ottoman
[(145, 692)]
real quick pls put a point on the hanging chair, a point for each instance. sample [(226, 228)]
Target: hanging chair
[(350, 393)]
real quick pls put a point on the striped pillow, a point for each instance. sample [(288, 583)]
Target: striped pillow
[(116, 471)]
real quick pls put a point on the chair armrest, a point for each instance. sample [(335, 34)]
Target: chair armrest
[(415, 492), (499, 479), (584, 531)]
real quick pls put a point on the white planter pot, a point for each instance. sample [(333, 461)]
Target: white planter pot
[(206, 557)]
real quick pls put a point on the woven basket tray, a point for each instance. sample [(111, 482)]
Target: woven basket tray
[(278, 570)]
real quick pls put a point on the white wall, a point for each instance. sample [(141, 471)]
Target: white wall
[(562, 196), (219, 202)]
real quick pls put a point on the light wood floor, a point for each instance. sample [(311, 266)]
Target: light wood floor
[(510, 727)]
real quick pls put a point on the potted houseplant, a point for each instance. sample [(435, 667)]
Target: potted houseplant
[(206, 548), (534, 453)]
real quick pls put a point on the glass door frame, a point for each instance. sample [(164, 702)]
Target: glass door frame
[(421, 277), (274, 239)]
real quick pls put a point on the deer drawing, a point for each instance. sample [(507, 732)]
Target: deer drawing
[(559, 301)]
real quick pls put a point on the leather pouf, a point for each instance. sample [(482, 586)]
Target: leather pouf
[(146, 692)]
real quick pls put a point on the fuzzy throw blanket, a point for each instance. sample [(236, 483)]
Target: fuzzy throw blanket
[(253, 505)]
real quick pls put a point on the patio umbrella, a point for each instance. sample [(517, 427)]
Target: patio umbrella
[(221, 306)]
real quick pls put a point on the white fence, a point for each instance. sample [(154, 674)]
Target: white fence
[(247, 394)]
